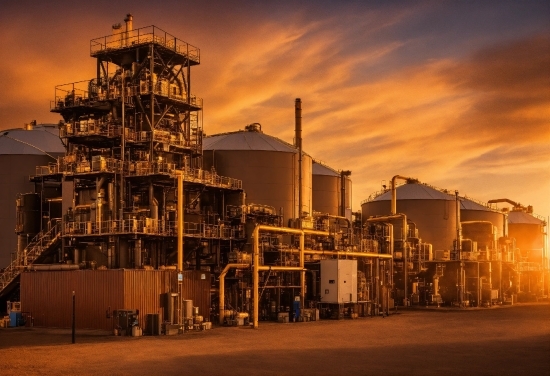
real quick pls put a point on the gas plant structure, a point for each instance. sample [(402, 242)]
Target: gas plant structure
[(130, 218), (136, 220)]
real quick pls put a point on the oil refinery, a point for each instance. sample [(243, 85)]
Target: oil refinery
[(157, 228)]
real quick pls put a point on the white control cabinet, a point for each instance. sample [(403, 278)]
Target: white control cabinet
[(338, 281)]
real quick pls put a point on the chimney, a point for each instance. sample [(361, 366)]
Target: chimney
[(129, 22), (298, 144)]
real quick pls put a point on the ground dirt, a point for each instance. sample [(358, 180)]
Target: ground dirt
[(493, 341)]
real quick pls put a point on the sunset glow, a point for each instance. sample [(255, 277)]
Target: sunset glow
[(454, 94)]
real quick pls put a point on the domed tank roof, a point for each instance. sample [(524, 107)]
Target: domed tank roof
[(415, 191), (523, 218), (41, 140), (322, 169), (251, 138)]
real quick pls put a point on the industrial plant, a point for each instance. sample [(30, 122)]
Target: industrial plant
[(155, 228)]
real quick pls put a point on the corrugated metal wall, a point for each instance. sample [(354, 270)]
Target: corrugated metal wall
[(48, 295), (145, 289), (196, 286)]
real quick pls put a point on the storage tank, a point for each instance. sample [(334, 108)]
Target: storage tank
[(471, 210), (529, 232), (327, 190), (267, 166), (433, 211), (21, 150)]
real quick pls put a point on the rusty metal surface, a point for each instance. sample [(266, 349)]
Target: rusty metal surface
[(196, 286), (145, 289), (47, 296)]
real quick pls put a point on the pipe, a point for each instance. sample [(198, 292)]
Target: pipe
[(129, 20), (256, 267), (122, 148), (110, 193), (153, 203), (256, 263), (345, 253), (298, 141), (404, 234), (394, 192), (221, 300), (54, 267), (392, 246), (458, 247), (99, 200), (326, 215), (343, 181), (137, 254), (180, 221), (495, 201)]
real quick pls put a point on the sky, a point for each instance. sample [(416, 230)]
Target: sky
[(453, 93)]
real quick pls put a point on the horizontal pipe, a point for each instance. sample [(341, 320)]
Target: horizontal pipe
[(316, 232), (341, 253), (54, 267), (280, 268), (352, 254)]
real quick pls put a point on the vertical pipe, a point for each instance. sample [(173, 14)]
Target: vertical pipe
[(110, 193), (343, 180), (406, 256), (390, 226), (377, 289), (153, 203), (180, 215), (478, 287), (74, 319), (256, 274), (180, 221), (151, 72), (122, 151), (298, 141), (302, 274), (458, 246), (137, 254)]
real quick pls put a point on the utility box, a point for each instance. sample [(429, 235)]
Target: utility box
[(338, 281)]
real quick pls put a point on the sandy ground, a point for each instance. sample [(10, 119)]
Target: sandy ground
[(497, 341)]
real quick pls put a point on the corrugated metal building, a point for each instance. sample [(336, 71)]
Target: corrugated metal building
[(21, 150), (47, 295)]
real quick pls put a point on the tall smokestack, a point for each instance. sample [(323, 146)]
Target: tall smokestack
[(298, 144), (129, 22)]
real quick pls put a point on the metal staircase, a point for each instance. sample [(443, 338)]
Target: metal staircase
[(41, 244)]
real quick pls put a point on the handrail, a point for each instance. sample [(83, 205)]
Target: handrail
[(144, 35), (31, 252), (148, 226)]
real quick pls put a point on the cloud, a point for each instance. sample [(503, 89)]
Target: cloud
[(414, 89)]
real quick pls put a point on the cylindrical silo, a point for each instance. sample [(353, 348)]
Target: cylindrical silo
[(21, 150), (472, 211), (267, 166), (327, 190), (433, 212), (529, 234), (481, 223)]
